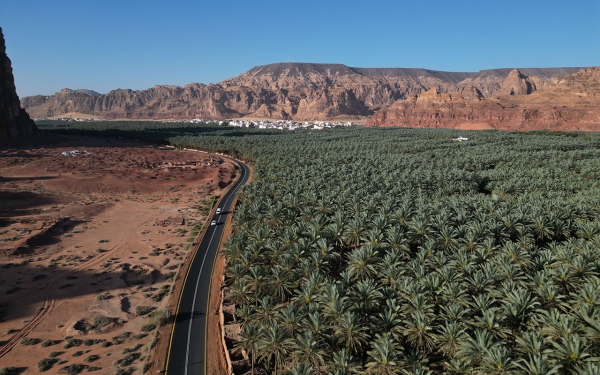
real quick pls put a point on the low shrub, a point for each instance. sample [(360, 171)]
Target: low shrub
[(29, 341), (72, 369), (121, 338), (128, 359), (132, 350), (46, 364), (9, 371), (72, 342), (47, 343), (143, 310), (92, 358)]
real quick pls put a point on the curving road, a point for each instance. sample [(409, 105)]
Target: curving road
[(187, 350)]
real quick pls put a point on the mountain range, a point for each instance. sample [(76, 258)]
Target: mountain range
[(306, 91)]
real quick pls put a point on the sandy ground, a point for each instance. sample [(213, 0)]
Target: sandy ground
[(474, 126), (87, 240)]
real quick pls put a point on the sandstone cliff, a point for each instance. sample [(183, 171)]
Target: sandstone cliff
[(566, 103), (299, 91), (14, 121)]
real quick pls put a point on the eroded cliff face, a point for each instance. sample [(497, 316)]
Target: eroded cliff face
[(296, 91), (14, 121), (566, 103)]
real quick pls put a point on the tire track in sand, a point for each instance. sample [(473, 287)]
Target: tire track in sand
[(49, 299)]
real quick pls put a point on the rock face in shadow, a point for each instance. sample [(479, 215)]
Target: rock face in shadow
[(14, 120), (298, 91), (566, 103)]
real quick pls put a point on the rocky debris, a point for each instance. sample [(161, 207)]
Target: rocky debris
[(74, 153), (14, 120), (567, 103), (289, 91)]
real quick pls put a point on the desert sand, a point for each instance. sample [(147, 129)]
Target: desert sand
[(90, 242)]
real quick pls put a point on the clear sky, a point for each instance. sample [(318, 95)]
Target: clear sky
[(108, 44)]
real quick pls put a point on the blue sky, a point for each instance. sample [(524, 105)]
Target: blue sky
[(105, 45)]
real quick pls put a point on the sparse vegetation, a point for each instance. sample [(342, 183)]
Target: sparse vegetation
[(47, 343), (121, 338), (71, 342), (72, 369), (46, 364), (29, 341), (92, 358), (133, 349), (104, 296), (157, 319), (143, 310), (128, 359)]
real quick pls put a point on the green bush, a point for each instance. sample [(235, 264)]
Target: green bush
[(47, 343), (72, 369), (132, 350), (143, 310), (128, 359), (72, 342), (100, 322), (92, 358), (121, 338), (124, 371), (46, 364), (9, 371), (29, 341)]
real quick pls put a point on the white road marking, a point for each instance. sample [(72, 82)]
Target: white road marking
[(187, 350)]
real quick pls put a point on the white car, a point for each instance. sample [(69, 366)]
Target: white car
[(218, 210), (213, 223)]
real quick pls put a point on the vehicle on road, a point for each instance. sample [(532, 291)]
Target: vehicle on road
[(218, 210), (213, 223)]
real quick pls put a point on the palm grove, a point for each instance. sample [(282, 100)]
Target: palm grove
[(392, 251)]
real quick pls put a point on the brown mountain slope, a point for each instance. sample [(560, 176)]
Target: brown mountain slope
[(568, 103), (14, 121), (299, 91)]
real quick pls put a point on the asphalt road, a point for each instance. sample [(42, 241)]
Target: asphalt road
[(187, 350)]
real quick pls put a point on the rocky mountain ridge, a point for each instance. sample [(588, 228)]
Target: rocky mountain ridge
[(567, 103), (299, 91), (14, 120)]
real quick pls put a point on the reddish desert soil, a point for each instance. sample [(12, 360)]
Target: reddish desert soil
[(86, 239), (474, 126)]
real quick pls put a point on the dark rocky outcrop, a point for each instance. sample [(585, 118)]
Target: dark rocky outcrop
[(14, 120)]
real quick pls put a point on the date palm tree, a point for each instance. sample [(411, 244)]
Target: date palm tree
[(250, 337), (384, 355), (307, 350), (537, 364), (349, 333), (274, 345)]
